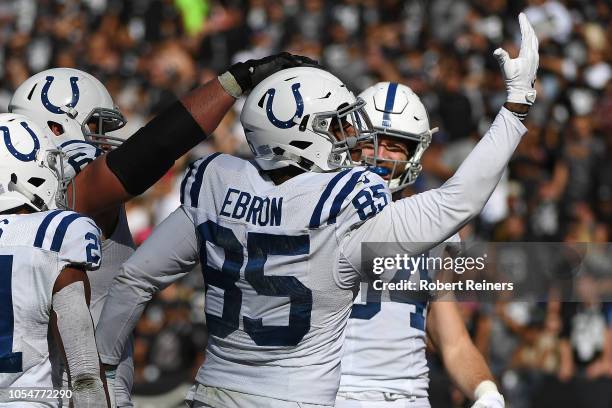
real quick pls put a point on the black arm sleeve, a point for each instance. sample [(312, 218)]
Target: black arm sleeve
[(150, 152)]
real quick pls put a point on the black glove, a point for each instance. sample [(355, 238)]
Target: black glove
[(244, 76)]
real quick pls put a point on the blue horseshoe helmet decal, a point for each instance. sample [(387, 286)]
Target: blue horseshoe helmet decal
[(26, 157), (44, 96), (299, 109)]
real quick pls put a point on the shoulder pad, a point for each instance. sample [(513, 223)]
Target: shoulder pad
[(192, 181), (352, 193), (74, 237)]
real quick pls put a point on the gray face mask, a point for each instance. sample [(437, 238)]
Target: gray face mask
[(345, 128), (106, 120)]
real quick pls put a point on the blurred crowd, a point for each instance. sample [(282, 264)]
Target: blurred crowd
[(558, 186)]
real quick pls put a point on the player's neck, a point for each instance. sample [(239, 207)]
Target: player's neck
[(279, 176)]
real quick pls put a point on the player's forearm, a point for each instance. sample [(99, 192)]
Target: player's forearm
[(473, 183), (435, 215), (466, 366), (166, 256), (122, 309), (75, 332), (144, 158), (208, 104)]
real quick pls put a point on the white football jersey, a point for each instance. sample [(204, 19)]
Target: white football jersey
[(275, 308), (34, 249), (386, 339), (116, 249)]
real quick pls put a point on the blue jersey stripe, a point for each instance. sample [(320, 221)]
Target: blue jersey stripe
[(70, 142), (42, 228), (93, 224), (315, 220), (60, 232), (184, 182), (389, 102), (197, 183), (346, 190)]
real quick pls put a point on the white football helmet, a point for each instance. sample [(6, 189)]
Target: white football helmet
[(30, 171), (397, 112), (304, 117), (72, 99)]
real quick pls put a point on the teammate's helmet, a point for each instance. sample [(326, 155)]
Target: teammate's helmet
[(73, 99), (30, 173), (397, 112), (304, 117)]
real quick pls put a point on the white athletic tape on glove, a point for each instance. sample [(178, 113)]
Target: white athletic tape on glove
[(487, 396)]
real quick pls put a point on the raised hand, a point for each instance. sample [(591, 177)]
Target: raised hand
[(520, 73), (244, 76)]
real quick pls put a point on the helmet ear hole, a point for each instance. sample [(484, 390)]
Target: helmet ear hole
[(36, 181), (304, 122), (56, 128), (301, 144)]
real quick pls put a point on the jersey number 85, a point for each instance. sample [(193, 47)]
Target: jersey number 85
[(259, 246)]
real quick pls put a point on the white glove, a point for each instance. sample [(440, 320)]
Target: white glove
[(520, 73), (487, 396)]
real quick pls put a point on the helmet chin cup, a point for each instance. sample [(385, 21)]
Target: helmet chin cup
[(381, 171)]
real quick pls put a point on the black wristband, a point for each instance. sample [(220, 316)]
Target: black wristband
[(150, 152)]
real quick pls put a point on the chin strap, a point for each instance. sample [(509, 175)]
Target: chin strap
[(55, 160)]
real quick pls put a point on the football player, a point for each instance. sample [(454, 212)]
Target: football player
[(384, 363), (80, 113), (44, 256), (74, 105), (280, 241)]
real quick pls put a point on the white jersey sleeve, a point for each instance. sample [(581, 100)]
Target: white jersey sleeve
[(173, 250), (422, 220), (74, 237)]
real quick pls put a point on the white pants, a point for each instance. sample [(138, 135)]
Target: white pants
[(379, 400), (201, 396)]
